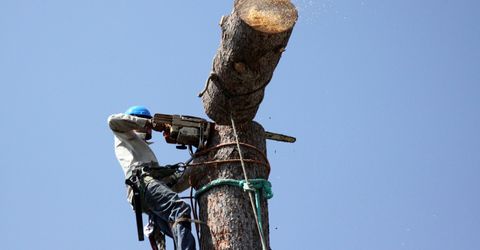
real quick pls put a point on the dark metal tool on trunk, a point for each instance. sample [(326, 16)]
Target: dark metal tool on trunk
[(194, 131)]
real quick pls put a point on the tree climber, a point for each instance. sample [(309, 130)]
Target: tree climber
[(155, 183)]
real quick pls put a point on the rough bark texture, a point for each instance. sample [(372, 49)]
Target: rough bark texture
[(254, 37), (227, 210)]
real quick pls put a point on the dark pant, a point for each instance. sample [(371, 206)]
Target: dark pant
[(165, 207)]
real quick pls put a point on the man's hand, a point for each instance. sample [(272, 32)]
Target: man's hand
[(149, 124), (160, 127)]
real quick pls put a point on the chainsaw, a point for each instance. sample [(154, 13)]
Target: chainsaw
[(194, 131)]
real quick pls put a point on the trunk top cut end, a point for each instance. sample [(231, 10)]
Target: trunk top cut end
[(267, 16)]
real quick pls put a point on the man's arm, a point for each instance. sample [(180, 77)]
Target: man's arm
[(122, 123)]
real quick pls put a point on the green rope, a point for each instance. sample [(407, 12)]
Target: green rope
[(252, 185)]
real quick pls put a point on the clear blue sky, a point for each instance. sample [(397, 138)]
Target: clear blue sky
[(383, 96)]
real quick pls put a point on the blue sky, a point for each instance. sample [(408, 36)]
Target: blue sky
[(383, 97)]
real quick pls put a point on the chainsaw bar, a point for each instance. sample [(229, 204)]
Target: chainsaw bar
[(191, 130)]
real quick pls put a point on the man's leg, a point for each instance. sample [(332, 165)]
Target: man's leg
[(157, 240), (156, 230), (166, 204)]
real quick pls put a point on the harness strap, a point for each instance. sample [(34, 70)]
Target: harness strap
[(135, 185), (185, 219), (138, 179)]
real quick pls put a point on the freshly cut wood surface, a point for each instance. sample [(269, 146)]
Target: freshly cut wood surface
[(269, 16)]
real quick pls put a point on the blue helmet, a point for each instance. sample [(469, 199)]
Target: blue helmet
[(139, 111)]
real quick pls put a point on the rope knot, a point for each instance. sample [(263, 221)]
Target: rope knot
[(246, 186)]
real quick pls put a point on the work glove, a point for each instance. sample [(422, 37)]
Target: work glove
[(160, 127)]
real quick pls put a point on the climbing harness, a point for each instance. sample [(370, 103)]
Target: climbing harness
[(143, 174)]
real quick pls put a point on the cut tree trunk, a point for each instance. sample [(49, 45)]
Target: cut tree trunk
[(254, 37)]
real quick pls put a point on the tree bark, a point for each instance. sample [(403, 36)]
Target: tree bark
[(227, 210), (254, 36)]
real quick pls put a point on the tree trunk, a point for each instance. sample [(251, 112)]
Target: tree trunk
[(226, 209), (253, 38)]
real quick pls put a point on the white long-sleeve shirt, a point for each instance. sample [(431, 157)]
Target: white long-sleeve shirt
[(130, 149)]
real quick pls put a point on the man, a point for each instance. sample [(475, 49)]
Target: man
[(132, 130)]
